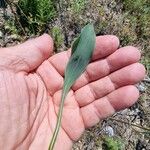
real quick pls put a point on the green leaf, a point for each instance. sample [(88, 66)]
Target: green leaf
[(82, 51)]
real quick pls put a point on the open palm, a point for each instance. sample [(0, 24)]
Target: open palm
[(31, 84)]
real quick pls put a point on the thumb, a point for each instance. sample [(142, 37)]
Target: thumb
[(27, 56)]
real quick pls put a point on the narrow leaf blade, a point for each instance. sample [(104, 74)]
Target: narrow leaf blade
[(81, 55)]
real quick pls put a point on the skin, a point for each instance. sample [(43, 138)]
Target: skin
[(31, 80)]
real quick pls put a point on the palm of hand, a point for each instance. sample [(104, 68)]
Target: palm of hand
[(30, 100)]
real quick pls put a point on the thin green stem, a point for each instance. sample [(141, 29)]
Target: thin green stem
[(59, 118)]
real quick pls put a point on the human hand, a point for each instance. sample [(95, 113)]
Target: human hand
[(31, 80)]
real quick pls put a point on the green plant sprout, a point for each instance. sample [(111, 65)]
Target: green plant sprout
[(77, 6), (82, 50), (57, 36), (111, 143)]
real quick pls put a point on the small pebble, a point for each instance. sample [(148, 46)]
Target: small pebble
[(88, 14), (141, 87), (1, 34), (109, 131)]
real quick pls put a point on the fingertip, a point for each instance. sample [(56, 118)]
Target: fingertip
[(105, 45), (48, 37), (123, 97), (112, 39), (46, 44), (133, 51), (115, 40), (128, 75), (138, 71), (33, 52), (132, 95), (143, 70)]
